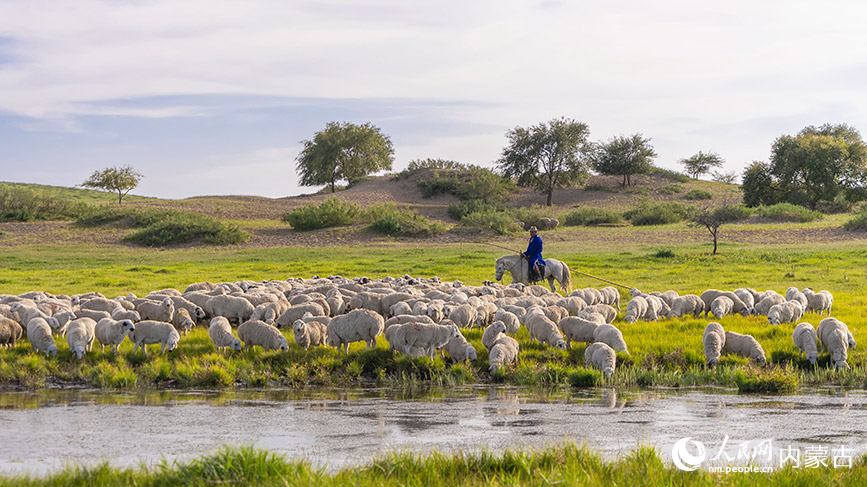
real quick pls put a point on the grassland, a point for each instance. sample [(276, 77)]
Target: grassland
[(566, 464)]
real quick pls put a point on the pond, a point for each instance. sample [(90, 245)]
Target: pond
[(41, 430)]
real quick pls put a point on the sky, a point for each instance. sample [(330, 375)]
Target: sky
[(214, 97)]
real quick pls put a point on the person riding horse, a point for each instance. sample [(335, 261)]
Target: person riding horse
[(534, 256)]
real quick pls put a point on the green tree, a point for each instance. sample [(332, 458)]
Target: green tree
[(818, 163), (122, 179), (759, 186), (547, 156), (701, 163), (624, 156), (343, 152), (712, 218)]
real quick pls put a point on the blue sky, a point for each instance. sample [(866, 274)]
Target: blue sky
[(214, 96)]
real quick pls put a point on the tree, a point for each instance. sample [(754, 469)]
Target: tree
[(817, 164), (343, 152), (121, 179), (701, 163), (712, 218), (547, 156), (759, 186), (624, 156)]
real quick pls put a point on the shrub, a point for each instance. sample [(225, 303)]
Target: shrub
[(658, 213), (181, 228), (430, 163), (459, 210), (529, 214), (18, 204), (591, 216), (789, 213), (387, 218), (470, 183), (670, 189), (501, 222), (858, 222), (332, 212), (697, 194)]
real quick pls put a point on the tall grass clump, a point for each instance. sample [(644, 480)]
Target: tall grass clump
[(18, 204), (776, 380), (389, 219), (333, 212), (658, 213), (697, 194), (160, 228), (857, 223), (788, 212), (670, 189), (591, 216), (463, 208)]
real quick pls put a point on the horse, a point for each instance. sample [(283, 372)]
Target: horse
[(517, 266)]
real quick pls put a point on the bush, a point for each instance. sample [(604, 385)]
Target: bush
[(529, 214), (789, 213), (459, 210), (18, 204), (858, 223), (332, 212), (658, 214), (183, 228), (670, 189), (387, 218), (501, 222), (697, 194), (430, 163), (470, 183), (590, 216)]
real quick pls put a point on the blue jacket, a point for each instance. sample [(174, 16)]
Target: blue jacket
[(534, 250)]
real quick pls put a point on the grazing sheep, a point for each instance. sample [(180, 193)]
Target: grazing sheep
[(805, 338), (833, 336), (195, 311), (79, 336), (258, 333), (101, 304), (149, 332), (745, 346), (157, 311), (714, 340), (232, 307), (309, 333), (460, 350), (356, 326), (818, 302), (420, 335), (508, 319), (555, 313), (125, 314), (685, 305), (39, 334), (610, 296), (788, 312), (765, 305), (577, 329), (220, 331), (297, 312), (10, 332), (491, 333), (504, 351), (792, 294), (738, 306), (112, 332), (182, 321), (636, 309), (592, 316), (399, 308), (572, 304), (602, 357), (400, 319), (656, 307), (544, 330), (746, 296), (485, 314), (464, 315), (721, 306), (611, 336), (27, 313)]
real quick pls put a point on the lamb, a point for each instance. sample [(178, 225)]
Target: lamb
[(424, 336), (297, 312), (714, 340), (602, 357), (834, 335), (157, 311), (80, 335), (765, 305), (787, 312), (577, 329), (182, 321), (818, 302), (10, 332), (611, 336), (357, 325), (149, 332), (805, 338), (745, 346), (491, 333), (232, 307), (721, 306), (504, 351), (220, 331), (544, 330), (39, 334), (464, 315), (687, 304), (636, 308), (112, 332), (309, 333), (258, 333), (460, 350), (509, 320)]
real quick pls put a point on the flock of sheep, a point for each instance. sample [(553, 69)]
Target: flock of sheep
[(417, 317)]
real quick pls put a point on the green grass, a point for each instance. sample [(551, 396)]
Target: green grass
[(564, 464), (590, 216), (89, 196), (789, 213)]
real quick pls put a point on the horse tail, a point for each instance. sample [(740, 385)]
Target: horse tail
[(567, 279)]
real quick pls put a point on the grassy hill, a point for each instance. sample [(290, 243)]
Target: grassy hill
[(89, 196)]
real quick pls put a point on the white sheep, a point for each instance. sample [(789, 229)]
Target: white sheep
[(792, 294), (357, 325), (112, 332), (656, 307), (485, 314), (610, 296), (714, 341), (463, 315), (309, 333), (834, 336), (686, 305), (420, 335), (297, 312), (157, 310), (787, 312), (818, 302), (101, 304), (636, 309), (399, 308), (765, 304), (196, 312), (805, 338), (269, 312), (504, 351), (258, 333), (491, 333), (39, 334), (577, 329), (149, 332), (79, 336), (544, 330), (220, 332), (721, 306), (572, 304), (746, 296), (10, 332), (611, 336), (125, 314), (509, 319), (745, 346), (400, 319), (460, 350), (232, 307), (602, 357), (592, 316), (182, 321), (738, 306)]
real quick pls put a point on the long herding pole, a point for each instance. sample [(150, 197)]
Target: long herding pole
[(577, 272)]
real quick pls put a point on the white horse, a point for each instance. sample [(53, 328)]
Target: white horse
[(517, 266)]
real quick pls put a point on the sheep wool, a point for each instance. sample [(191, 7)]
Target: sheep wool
[(713, 340), (220, 332), (509, 320), (636, 309), (833, 336), (577, 329), (357, 325), (10, 332), (745, 346), (79, 336), (721, 306), (111, 332), (787, 312), (686, 305), (805, 339), (611, 336), (149, 332), (232, 307), (504, 351), (309, 333), (39, 334), (602, 357), (258, 333)]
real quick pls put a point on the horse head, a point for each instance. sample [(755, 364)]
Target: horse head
[(500, 269)]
